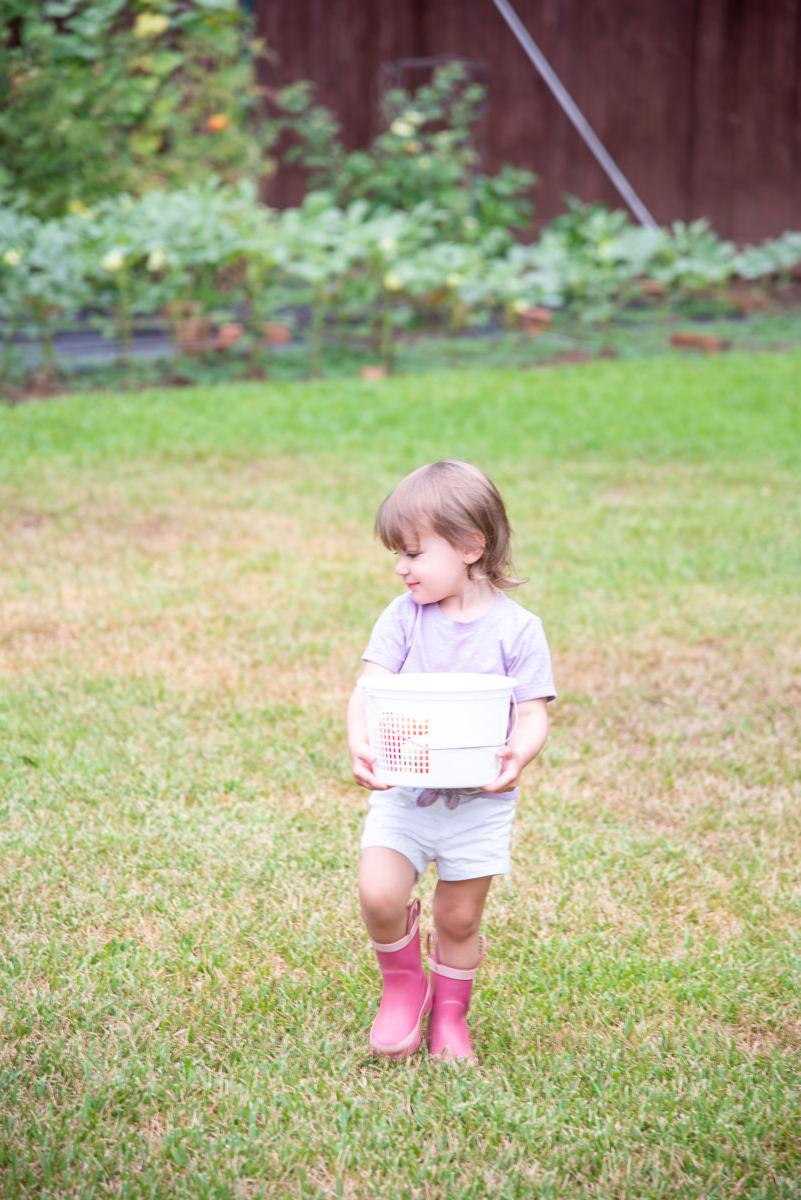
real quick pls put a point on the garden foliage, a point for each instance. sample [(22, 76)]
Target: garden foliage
[(115, 96), (406, 232), (212, 248), (426, 152)]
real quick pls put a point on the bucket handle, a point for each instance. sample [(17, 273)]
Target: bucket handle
[(507, 739), (515, 721)]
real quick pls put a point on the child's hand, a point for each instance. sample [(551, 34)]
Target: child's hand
[(363, 767), (510, 764), (528, 740)]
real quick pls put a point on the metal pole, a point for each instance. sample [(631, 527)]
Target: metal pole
[(568, 105)]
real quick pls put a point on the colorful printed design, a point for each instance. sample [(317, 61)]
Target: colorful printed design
[(399, 739)]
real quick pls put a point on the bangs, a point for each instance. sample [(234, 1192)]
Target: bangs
[(404, 516)]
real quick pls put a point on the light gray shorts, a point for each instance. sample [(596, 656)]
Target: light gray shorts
[(466, 842)]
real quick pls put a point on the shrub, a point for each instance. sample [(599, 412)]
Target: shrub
[(110, 96), (426, 153)]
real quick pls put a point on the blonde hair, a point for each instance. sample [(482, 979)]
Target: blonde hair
[(456, 501)]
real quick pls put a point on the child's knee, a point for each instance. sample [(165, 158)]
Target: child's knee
[(380, 903), (457, 917)]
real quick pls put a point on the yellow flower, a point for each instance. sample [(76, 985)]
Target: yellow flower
[(114, 260), (520, 306), (453, 280), (12, 257), (79, 209), (149, 24), (401, 128), (156, 260), (392, 283), (606, 249)]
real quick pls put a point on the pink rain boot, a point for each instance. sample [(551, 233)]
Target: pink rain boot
[(398, 1028), (448, 1036)]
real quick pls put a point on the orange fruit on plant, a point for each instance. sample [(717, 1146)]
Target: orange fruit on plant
[(217, 122)]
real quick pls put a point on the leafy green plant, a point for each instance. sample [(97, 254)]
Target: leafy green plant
[(42, 280), (17, 235), (180, 252), (313, 253), (426, 152), (776, 256), (434, 279), (346, 256), (694, 258), (524, 277), (384, 244), (595, 258)]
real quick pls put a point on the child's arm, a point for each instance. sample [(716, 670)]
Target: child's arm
[(524, 746), (358, 743)]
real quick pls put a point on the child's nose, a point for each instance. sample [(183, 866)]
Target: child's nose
[(402, 568)]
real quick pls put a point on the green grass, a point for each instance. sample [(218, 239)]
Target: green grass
[(188, 579)]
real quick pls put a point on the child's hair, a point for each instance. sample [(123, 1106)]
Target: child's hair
[(454, 500)]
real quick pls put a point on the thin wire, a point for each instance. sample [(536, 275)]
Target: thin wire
[(569, 107)]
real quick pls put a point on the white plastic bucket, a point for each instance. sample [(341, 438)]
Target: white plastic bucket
[(439, 730)]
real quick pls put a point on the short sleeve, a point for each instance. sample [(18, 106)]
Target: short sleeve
[(530, 663), (388, 644)]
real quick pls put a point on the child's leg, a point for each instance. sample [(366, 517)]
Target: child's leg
[(386, 879), (458, 907), (456, 956)]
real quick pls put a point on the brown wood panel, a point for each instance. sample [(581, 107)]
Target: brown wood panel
[(605, 55), (698, 101), (713, 116), (338, 45), (765, 162), (746, 163)]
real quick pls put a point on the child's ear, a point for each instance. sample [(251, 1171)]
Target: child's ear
[(474, 547)]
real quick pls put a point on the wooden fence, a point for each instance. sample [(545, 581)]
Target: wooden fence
[(698, 101)]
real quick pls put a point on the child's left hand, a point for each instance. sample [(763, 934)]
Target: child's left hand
[(510, 765), (525, 745)]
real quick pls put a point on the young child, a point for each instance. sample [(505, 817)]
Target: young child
[(447, 524)]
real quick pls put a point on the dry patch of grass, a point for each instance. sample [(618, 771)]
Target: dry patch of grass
[(202, 596), (660, 731), (755, 1040)]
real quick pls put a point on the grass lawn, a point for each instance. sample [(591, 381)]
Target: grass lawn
[(187, 580)]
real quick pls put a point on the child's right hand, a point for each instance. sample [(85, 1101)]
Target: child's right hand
[(363, 761)]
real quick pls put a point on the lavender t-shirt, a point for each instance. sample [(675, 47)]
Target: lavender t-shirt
[(505, 640)]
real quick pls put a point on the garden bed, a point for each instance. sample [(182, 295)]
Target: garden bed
[(210, 270), (89, 361)]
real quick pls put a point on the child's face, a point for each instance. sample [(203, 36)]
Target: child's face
[(433, 569)]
